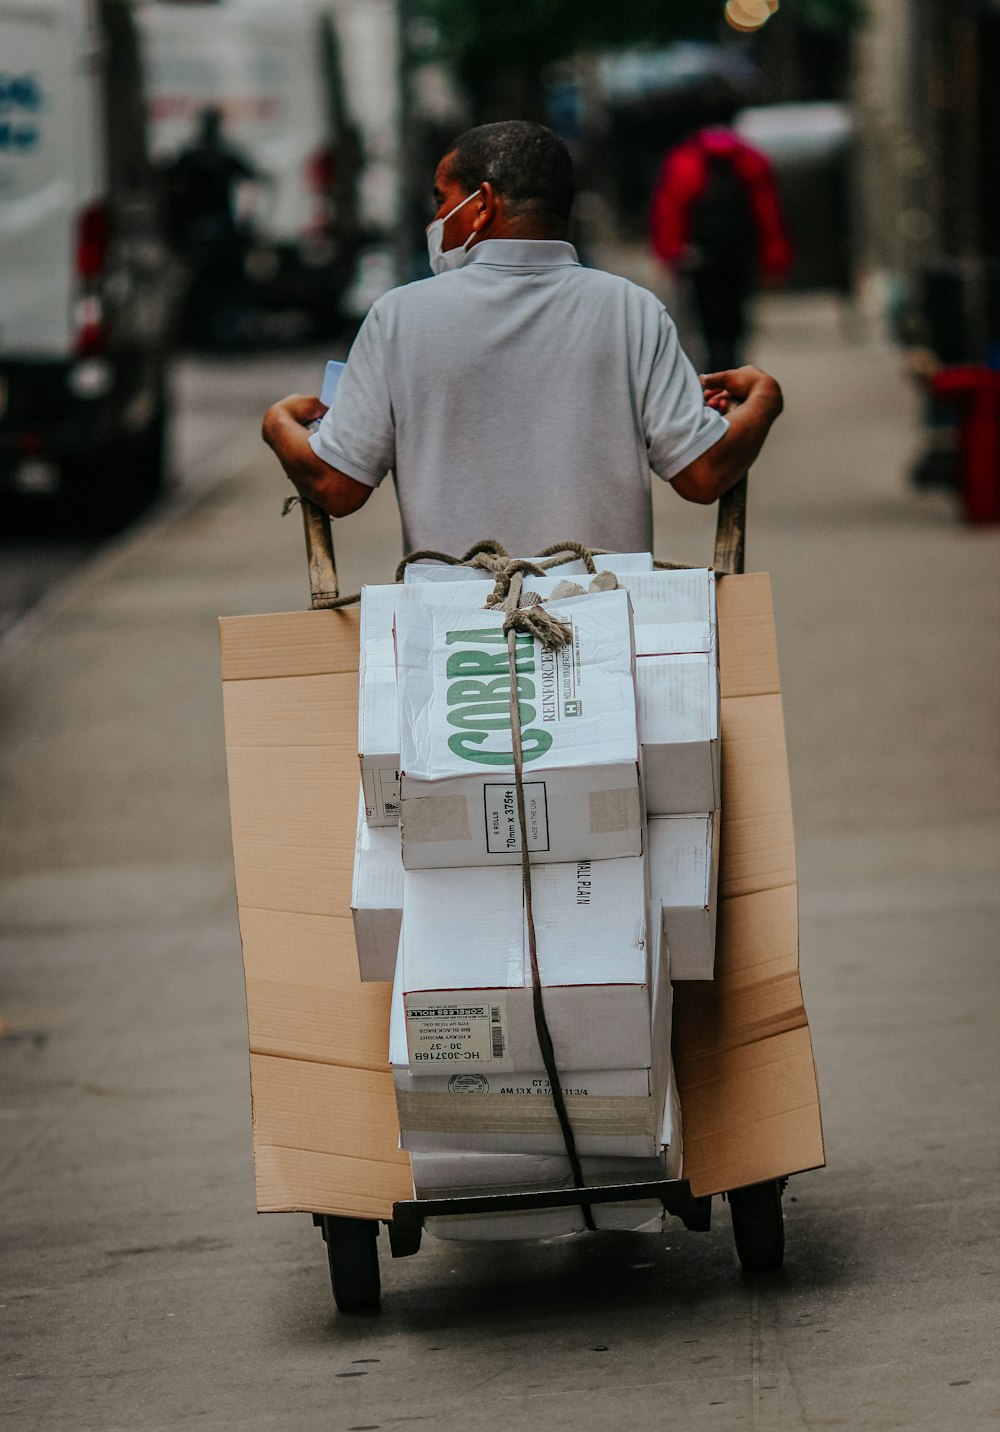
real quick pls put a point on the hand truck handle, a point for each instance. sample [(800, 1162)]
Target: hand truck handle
[(731, 529), (319, 551), (730, 541)]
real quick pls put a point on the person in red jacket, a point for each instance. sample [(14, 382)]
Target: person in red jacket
[(716, 221)]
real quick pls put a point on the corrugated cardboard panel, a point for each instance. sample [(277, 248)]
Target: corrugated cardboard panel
[(758, 927), (745, 1008), (319, 948), (328, 1108), (751, 1152), (304, 997), (758, 844), (301, 1180), (289, 807), (748, 652), (325, 1129), (297, 1020), (762, 1068), (289, 644), (743, 1055), (291, 877), (295, 795), (293, 711)]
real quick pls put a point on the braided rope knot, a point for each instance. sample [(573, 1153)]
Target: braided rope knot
[(534, 621)]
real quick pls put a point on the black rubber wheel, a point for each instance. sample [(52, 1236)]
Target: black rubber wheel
[(352, 1248), (758, 1226)]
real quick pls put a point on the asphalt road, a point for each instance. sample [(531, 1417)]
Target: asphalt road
[(139, 1291)]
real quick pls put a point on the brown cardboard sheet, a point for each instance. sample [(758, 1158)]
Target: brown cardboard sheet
[(324, 1118)]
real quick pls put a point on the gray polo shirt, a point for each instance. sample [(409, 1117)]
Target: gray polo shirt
[(522, 397)]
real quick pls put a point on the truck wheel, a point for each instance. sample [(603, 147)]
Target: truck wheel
[(758, 1225), (352, 1249)]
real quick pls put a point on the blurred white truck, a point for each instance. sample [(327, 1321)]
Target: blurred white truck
[(86, 282)]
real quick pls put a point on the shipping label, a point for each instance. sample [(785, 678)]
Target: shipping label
[(503, 831), (381, 792), (461, 1033)]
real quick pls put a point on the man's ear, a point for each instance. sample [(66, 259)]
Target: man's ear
[(489, 208)]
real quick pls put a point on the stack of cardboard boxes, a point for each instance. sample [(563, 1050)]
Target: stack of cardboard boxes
[(620, 734)]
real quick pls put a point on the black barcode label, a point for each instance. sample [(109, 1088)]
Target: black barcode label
[(468, 1033), (497, 1039)]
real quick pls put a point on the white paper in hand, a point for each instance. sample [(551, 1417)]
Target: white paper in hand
[(331, 378)]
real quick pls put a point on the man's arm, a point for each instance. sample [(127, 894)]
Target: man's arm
[(759, 402), (285, 430)]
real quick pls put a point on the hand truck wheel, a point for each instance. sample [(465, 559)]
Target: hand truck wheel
[(758, 1225), (352, 1250)]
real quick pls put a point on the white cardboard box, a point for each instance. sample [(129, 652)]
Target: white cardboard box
[(678, 700), (617, 1112), (684, 879), (378, 744), (426, 573), (672, 612), (379, 605), (377, 897), (579, 733), (466, 975), (378, 707)]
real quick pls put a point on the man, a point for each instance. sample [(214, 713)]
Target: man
[(204, 188), (716, 221), (518, 395)]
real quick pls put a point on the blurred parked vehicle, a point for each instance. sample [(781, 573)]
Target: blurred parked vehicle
[(272, 73), (86, 280)]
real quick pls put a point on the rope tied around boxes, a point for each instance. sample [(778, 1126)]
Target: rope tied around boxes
[(553, 635), (492, 557)]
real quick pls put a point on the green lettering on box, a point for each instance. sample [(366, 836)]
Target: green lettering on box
[(496, 690), (464, 744)]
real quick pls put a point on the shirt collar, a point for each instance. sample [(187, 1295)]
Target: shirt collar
[(522, 253)]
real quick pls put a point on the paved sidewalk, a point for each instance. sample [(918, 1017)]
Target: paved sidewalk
[(139, 1292)]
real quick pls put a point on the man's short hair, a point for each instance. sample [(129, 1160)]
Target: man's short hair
[(525, 162)]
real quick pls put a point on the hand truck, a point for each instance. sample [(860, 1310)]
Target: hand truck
[(352, 1243)]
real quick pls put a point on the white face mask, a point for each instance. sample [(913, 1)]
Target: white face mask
[(442, 259)]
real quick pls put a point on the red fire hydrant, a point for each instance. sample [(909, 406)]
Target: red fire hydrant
[(976, 391)]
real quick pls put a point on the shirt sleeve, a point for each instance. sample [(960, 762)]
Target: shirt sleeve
[(357, 435), (677, 425)]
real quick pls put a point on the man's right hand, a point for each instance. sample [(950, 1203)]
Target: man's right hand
[(296, 409), (285, 429)]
